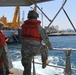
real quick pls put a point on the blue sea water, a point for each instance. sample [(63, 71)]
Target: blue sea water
[(55, 57)]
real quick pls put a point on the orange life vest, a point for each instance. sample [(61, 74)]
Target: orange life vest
[(1, 63), (30, 30), (2, 39)]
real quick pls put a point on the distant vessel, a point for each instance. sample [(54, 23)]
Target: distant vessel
[(10, 28), (10, 34)]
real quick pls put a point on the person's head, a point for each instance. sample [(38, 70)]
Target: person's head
[(1, 24), (32, 14)]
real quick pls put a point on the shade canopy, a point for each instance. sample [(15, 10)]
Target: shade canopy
[(20, 2)]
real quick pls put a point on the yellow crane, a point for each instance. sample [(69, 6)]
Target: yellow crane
[(16, 19), (4, 20)]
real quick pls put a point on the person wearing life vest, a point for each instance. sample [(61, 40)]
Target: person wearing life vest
[(32, 36), (3, 52)]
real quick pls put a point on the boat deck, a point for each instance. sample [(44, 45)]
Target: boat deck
[(19, 72)]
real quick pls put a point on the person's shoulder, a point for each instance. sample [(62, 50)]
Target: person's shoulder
[(38, 21), (40, 27)]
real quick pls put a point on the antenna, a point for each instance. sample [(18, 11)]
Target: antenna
[(22, 18), (35, 8)]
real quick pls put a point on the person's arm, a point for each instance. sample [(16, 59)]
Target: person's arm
[(44, 37), (6, 39)]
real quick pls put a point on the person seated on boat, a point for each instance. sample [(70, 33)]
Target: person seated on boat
[(32, 36), (3, 51)]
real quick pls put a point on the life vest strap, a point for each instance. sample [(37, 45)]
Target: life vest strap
[(29, 36)]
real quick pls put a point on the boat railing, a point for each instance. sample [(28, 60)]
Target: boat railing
[(67, 68)]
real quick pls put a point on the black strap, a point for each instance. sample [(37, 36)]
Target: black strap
[(29, 36)]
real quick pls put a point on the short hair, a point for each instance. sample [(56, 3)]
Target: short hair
[(33, 14)]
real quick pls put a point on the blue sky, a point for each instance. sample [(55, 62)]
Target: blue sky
[(50, 9)]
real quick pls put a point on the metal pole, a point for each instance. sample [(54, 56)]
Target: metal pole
[(67, 64), (40, 10), (42, 17), (57, 12), (23, 17), (69, 20), (34, 73)]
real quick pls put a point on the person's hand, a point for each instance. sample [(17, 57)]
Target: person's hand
[(6, 39), (51, 48)]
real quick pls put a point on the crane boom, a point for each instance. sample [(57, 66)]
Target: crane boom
[(16, 14)]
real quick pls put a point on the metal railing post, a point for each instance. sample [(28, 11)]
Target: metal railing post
[(67, 69), (34, 73)]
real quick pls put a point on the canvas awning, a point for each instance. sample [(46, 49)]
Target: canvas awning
[(20, 2)]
